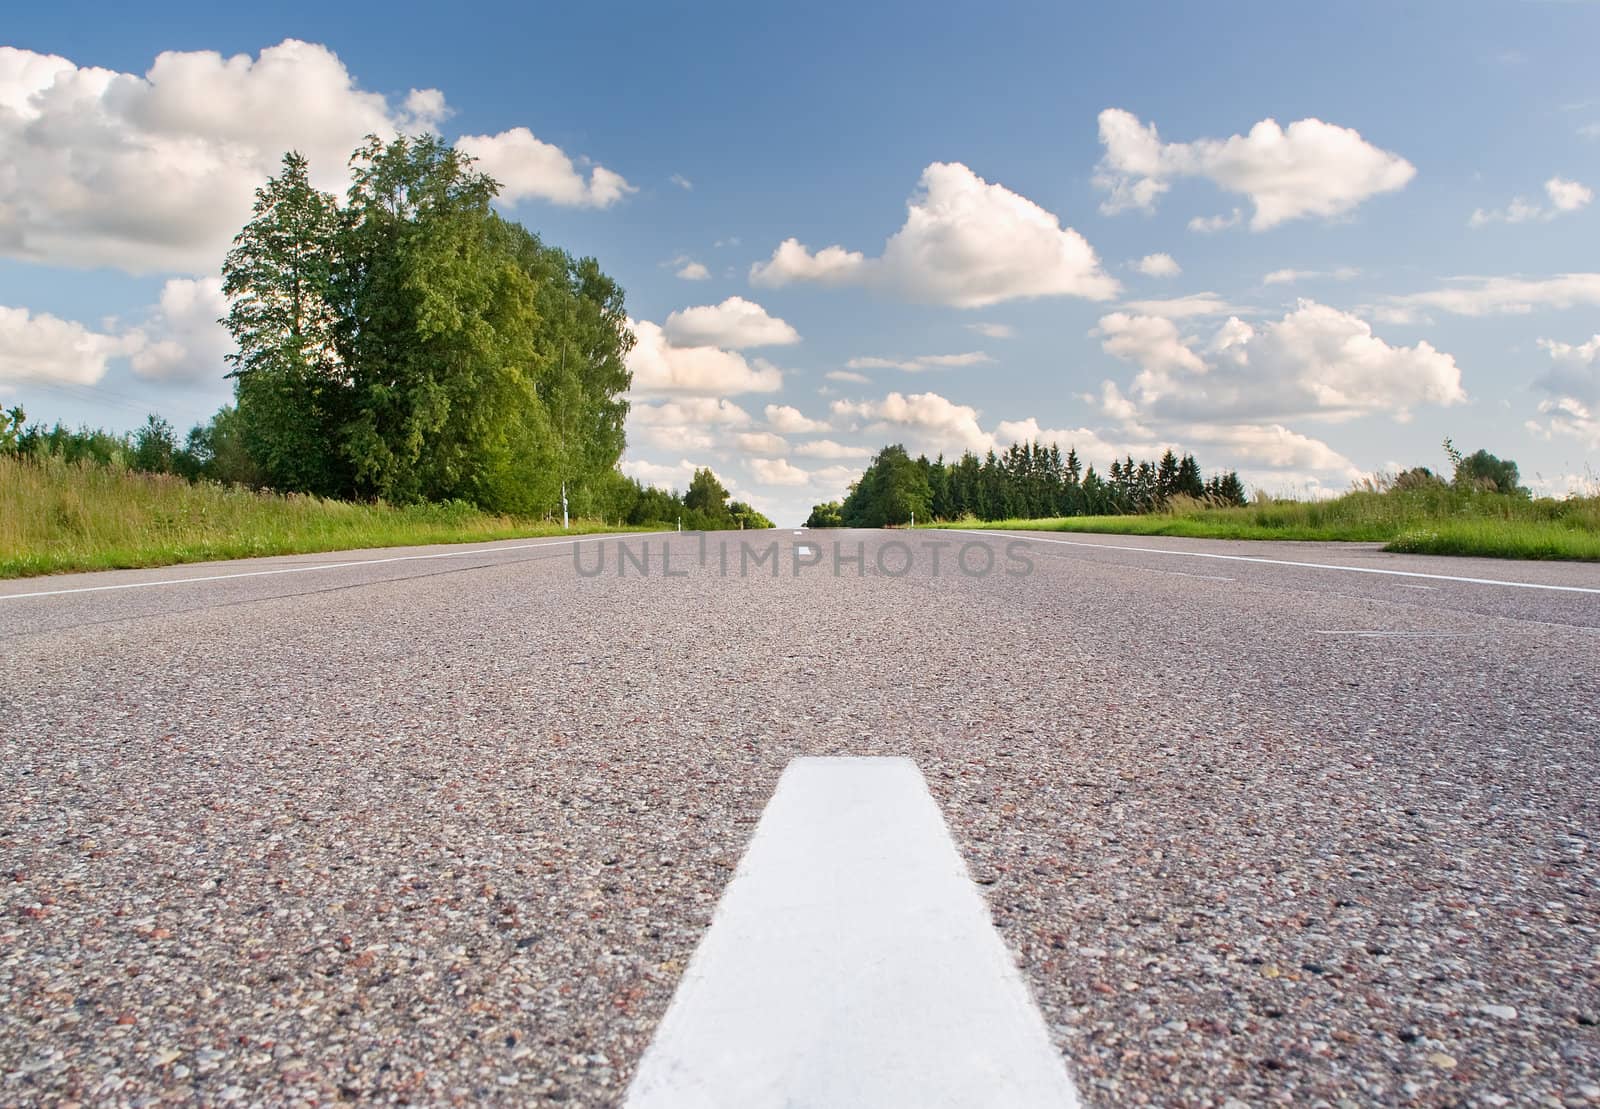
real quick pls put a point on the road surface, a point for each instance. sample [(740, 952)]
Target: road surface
[(446, 824)]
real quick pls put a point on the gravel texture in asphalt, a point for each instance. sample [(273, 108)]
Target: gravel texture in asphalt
[(447, 829)]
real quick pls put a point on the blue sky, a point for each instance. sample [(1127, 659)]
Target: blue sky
[(1418, 180)]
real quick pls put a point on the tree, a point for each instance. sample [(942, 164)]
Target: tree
[(1483, 471), (705, 502), (11, 421), (291, 384), (827, 515), (891, 491), (153, 447)]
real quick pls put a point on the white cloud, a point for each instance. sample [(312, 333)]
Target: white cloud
[(1290, 276), (681, 181), (792, 261), (922, 362), (1490, 296), (736, 323), (46, 349), (156, 173), (179, 340), (1178, 308), (927, 418), (1565, 197), (1210, 225), (1309, 169), (992, 330), (667, 475), (689, 411), (182, 340), (529, 168), (828, 448), (1158, 265), (659, 366), (847, 376), (1573, 382), (778, 471), (1316, 362), (763, 443), (790, 421), (966, 243), (687, 423), (1151, 342), (693, 271)]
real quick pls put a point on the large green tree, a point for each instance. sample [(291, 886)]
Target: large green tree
[(411, 344), (292, 385)]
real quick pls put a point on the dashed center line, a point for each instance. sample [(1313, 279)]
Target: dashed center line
[(1393, 634), (850, 964)]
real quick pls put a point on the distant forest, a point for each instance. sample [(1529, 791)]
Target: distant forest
[(1028, 481)]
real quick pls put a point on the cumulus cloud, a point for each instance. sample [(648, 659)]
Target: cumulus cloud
[(1309, 169), (1565, 197), (1210, 225), (848, 376), (1316, 362), (689, 411), (660, 366), (1573, 382), (182, 340), (46, 349), (925, 418), (1493, 296), (531, 169), (1152, 342), (778, 471), (966, 243), (668, 475), (1158, 265), (693, 271), (735, 323), (179, 339), (791, 421), (828, 448), (763, 443), (156, 173)]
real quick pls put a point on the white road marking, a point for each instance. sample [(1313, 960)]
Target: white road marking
[(851, 963), (1178, 573), (1303, 565), (298, 569), (1395, 635)]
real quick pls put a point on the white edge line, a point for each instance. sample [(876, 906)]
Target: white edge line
[(303, 569), (1280, 562)]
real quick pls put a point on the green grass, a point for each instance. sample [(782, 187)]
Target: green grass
[(56, 516), (1419, 521)]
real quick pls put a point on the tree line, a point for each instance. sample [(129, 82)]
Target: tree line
[(1026, 481)]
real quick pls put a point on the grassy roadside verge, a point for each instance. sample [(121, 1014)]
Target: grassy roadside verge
[(57, 517), (1434, 521)]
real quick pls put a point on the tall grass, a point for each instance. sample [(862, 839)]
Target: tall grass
[(1435, 519), (57, 516)]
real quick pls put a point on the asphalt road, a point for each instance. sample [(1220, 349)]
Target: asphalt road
[(444, 825)]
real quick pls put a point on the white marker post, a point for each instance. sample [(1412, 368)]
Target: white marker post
[(851, 963)]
